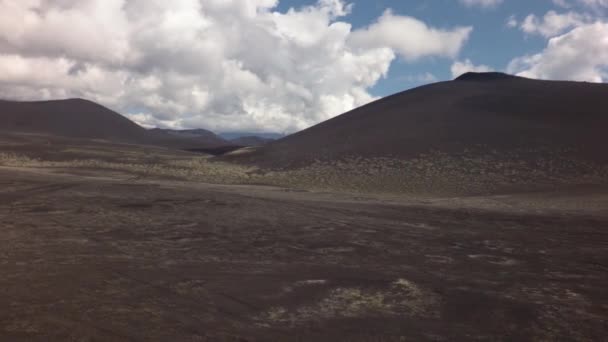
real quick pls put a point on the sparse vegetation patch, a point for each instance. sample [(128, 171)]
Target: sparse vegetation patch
[(402, 297), (470, 173)]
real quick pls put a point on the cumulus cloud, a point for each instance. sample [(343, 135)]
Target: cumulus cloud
[(552, 23), (426, 77), (221, 64), (421, 78), (481, 3), (581, 55), (562, 3), (410, 38), (595, 3), (512, 22), (598, 6), (460, 67), (577, 43)]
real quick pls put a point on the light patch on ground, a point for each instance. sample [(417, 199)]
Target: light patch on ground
[(300, 284), (400, 298), (311, 282), (439, 259), (494, 259), (242, 151)]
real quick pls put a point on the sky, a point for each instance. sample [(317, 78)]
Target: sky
[(282, 65)]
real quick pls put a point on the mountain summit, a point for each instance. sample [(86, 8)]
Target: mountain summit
[(486, 76)]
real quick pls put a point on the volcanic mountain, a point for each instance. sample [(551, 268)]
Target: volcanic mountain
[(251, 140), (74, 118), (488, 111), (82, 119), (188, 139)]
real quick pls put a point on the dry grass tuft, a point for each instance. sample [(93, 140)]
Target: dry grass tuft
[(468, 173), (401, 298)]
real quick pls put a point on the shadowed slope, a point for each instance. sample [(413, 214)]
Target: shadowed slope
[(78, 118), (251, 141), (75, 118), (489, 110), (188, 139)]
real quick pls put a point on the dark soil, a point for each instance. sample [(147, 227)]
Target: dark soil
[(98, 259)]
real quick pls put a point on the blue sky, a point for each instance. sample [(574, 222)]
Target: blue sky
[(491, 43), (282, 65)]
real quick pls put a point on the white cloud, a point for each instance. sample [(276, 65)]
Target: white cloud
[(595, 3), (562, 3), (581, 55), (512, 22), (552, 23), (421, 78), (426, 77), (221, 64), (481, 3), (59, 28), (460, 67), (411, 38)]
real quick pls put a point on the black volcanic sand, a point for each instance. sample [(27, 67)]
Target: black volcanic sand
[(113, 258)]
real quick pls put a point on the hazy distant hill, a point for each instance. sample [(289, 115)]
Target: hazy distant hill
[(251, 141), (189, 138), (237, 135), (221, 140), (189, 133)]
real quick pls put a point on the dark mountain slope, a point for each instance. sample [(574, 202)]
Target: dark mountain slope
[(82, 119), (188, 139), (251, 141), (490, 111), (75, 118)]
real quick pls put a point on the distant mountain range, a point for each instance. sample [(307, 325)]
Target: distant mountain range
[(213, 140), (189, 139), (251, 141), (78, 118), (237, 135)]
